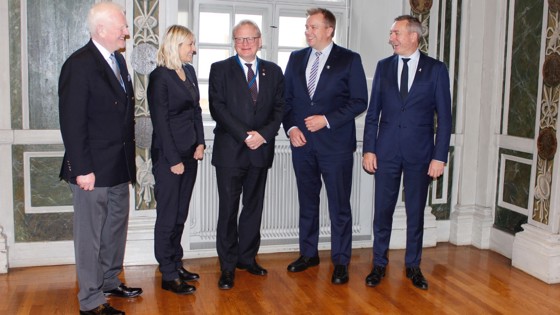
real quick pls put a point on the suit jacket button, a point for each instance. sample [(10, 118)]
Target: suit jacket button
[(312, 103), (402, 109)]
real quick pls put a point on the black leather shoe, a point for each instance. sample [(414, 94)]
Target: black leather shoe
[(186, 275), (340, 274), (254, 268), (124, 291), (178, 286), (375, 276), (103, 309), (303, 263), (417, 278), (226, 280)]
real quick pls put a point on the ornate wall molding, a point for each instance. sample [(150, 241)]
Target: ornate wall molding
[(546, 142), (143, 61)]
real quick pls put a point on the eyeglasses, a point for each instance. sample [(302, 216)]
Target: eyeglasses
[(249, 40)]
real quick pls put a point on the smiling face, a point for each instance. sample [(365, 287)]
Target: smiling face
[(403, 41), (112, 31), (247, 42), (317, 33), (187, 50)]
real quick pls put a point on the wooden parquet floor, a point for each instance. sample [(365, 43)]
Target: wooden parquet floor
[(462, 279)]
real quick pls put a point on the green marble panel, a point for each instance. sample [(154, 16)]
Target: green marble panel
[(14, 21), (525, 71), (46, 188), (55, 29), (505, 219), (509, 221), (36, 227), (517, 178)]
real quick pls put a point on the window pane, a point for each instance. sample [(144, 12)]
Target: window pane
[(214, 28), (291, 31), (208, 56), (203, 88), (283, 57)]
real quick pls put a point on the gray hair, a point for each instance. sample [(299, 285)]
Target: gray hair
[(414, 25), (101, 12), (245, 22)]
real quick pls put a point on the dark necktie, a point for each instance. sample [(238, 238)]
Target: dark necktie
[(252, 83), (404, 78)]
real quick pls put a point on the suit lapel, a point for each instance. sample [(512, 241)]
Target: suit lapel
[(418, 74), (124, 73), (107, 72), (322, 80), (263, 83), (303, 67), (240, 77), (393, 75)]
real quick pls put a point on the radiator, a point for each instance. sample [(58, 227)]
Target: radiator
[(281, 208)]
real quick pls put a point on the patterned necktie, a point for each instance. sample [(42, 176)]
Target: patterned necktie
[(313, 74), (117, 70), (404, 78), (252, 82)]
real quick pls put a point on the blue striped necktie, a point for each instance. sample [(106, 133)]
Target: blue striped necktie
[(313, 74)]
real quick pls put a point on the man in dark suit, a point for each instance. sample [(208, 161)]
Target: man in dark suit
[(325, 90), (246, 97), (409, 88), (96, 107)]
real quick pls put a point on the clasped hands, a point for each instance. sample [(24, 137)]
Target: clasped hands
[(254, 140), (312, 123)]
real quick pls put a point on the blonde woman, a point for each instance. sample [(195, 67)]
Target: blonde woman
[(177, 144)]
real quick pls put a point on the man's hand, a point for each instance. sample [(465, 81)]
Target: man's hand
[(297, 138), (315, 123), (199, 152), (178, 169), (369, 162), (86, 182), (254, 140), (436, 169)]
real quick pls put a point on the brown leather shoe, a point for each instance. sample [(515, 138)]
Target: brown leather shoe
[(103, 309)]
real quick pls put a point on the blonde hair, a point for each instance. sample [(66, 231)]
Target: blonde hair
[(168, 52)]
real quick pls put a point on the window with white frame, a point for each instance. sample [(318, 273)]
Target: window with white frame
[(282, 25)]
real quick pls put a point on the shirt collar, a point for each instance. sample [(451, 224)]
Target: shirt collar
[(326, 51), (104, 52), (415, 55)]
